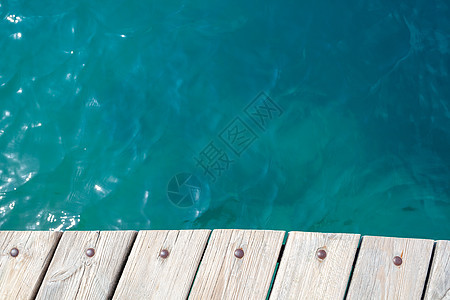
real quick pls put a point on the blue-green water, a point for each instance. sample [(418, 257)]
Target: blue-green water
[(148, 115)]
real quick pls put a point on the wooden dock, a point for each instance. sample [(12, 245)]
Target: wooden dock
[(220, 264)]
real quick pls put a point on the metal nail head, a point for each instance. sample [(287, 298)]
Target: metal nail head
[(321, 254), (164, 253), (14, 252), (397, 260), (90, 252), (239, 253)]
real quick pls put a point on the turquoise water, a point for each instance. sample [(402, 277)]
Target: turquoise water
[(296, 115)]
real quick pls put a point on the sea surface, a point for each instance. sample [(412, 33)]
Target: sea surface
[(330, 116)]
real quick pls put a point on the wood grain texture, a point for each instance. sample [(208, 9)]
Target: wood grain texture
[(21, 276), (302, 275), (439, 281), (223, 276), (74, 275), (375, 275), (149, 276)]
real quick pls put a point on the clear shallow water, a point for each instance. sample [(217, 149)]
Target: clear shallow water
[(148, 115)]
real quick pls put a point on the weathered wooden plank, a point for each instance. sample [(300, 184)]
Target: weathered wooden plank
[(439, 281), (377, 277), (222, 275), (72, 274), (20, 276), (147, 275), (303, 275)]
